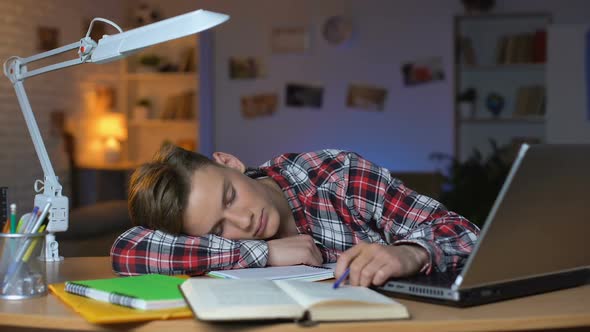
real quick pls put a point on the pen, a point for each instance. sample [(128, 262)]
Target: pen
[(12, 218), (341, 279), (27, 226)]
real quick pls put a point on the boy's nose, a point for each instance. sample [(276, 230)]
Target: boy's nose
[(242, 219)]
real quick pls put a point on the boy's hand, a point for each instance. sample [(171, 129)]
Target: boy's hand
[(373, 264), (298, 249)]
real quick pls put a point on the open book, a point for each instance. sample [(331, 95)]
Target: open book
[(226, 300), (293, 272)]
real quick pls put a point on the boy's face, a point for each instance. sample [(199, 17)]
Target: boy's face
[(225, 202)]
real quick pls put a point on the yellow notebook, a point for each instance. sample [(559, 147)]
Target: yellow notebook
[(105, 313)]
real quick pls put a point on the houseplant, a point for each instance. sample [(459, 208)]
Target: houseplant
[(471, 186)]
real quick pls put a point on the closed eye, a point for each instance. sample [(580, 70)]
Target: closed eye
[(231, 196)]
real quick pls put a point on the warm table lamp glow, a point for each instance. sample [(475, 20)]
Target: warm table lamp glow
[(112, 128), (108, 48)]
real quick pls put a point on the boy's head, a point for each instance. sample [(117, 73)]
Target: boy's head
[(159, 190), (185, 192)]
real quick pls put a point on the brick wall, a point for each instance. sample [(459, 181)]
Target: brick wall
[(60, 90)]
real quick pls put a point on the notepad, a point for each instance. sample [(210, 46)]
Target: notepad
[(146, 292), (294, 272), (99, 312)]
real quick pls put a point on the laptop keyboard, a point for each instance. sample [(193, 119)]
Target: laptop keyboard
[(437, 279)]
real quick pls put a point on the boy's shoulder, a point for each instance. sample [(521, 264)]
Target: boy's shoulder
[(309, 158)]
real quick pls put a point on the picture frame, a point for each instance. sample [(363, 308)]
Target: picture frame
[(304, 95), (289, 40), (247, 67), (366, 97), (422, 71), (259, 105)]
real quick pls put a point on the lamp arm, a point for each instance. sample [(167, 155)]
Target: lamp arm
[(15, 68)]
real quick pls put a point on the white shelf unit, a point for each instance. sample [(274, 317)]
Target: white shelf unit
[(134, 82), (486, 75)]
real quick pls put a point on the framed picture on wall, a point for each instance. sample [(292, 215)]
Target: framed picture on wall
[(285, 40), (246, 68), (304, 95), (262, 104), (366, 97), (422, 71)]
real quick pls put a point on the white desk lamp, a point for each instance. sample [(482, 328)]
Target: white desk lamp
[(108, 48)]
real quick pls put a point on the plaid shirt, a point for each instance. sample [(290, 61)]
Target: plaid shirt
[(337, 197)]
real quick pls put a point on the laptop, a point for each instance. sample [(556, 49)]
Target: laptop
[(535, 238)]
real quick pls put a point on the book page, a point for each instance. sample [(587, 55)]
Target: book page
[(307, 294), (219, 299)]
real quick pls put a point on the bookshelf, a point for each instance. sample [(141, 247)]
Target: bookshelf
[(159, 106), (499, 80)]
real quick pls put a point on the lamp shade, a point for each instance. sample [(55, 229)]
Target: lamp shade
[(112, 125), (112, 47)]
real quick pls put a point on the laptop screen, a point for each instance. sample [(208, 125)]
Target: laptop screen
[(540, 221)]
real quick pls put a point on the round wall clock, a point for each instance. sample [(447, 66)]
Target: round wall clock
[(337, 30)]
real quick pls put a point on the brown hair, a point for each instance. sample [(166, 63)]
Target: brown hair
[(159, 190)]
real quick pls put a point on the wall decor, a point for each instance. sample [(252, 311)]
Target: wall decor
[(263, 104), (337, 30), (423, 71), (47, 38), (366, 97), (285, 40), (304, 95), (495, 103), (246, 68)]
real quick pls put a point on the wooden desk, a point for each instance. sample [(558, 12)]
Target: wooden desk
[(562, 309)]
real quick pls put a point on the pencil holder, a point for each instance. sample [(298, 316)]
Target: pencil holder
[(22, 271)]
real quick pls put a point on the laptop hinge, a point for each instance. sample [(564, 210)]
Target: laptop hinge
[(457, 282)]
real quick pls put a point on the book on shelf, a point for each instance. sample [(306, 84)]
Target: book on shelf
[(145, 292), (522, 48), (179, 107), (530, 102), (467, 52), (295, 272), (230, 300), (540, 46)]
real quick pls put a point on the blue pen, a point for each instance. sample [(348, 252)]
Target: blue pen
[(341, 279)]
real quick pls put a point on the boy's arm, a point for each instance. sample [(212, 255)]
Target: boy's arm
[(420, 220), (141, 251), (406, 217)]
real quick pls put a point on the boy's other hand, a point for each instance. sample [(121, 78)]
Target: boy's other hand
[(374, 264), (293, 250)]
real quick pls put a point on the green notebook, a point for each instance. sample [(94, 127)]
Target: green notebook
[(146, 292)]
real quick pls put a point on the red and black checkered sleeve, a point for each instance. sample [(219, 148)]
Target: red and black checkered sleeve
[(406, 217), (143, 251)]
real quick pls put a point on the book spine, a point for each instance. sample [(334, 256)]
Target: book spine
[(110, 297)]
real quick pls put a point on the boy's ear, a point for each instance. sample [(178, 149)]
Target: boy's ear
[(229, 160)]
